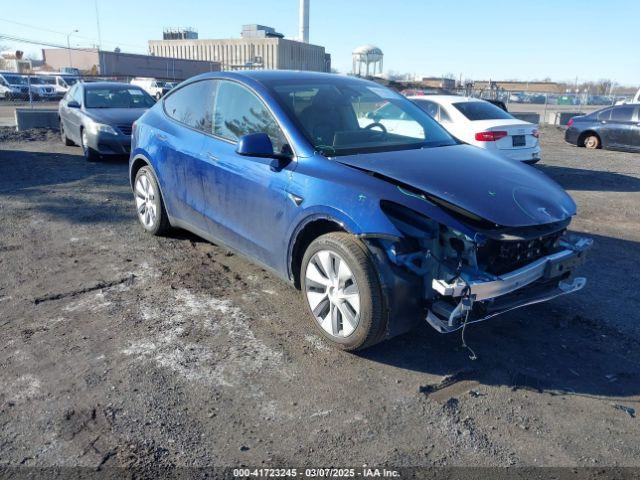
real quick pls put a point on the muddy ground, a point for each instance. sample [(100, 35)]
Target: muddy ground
[(123, 349)]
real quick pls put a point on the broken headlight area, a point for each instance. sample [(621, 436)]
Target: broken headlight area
[(466, 280)]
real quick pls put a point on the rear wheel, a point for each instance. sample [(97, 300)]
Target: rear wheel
[(158, 95), (341, 288), (149, 203), (591, 141)]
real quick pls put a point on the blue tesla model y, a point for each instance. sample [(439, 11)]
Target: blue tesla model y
[(380, 223)]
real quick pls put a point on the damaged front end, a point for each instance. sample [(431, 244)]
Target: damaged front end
[(471, 276)]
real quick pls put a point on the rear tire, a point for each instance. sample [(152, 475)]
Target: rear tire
[(149, 203), (341, 288), (591, 141)]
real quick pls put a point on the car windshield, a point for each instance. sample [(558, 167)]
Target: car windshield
[(482, 111), (43, 80), (117, 97), (16, 79), (344, 117)]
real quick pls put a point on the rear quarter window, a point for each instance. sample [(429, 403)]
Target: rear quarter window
[(482, 111)]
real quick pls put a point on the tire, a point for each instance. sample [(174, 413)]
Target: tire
[(591, 141), (149, 203), (343, 321), (158, 95), (63, 135), (89, 153)]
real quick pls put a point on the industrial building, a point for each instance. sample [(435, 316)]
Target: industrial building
[(117, 64), (259, 47)]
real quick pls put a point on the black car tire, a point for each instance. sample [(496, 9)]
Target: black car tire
[(591, 141), (158, 95), (89, 153), (160, 225), (372, 320), (63, 135)]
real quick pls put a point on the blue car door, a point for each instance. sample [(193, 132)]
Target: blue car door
[(180, 143), (246, 197)]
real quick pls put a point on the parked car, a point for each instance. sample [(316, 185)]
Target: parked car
[(61, 82), (42, 88), (13, 86), (98, 116), (155, 88), (483, 124), (615, 128), (379, 230)]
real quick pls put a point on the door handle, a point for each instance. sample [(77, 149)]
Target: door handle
[(161, 137), (603, 121), (211, 157)]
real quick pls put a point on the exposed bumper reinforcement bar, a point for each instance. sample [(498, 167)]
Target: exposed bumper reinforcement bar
[(452, 323), (548, 267), (500, 294)]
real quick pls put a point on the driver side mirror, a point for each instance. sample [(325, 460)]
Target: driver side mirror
[(73, 104), (255, 145)]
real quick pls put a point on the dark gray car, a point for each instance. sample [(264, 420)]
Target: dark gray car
[(615, 127), (99, 116)]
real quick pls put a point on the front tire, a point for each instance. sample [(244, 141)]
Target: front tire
[(89, 153), (341, 288), (149, 203), (65, 140)]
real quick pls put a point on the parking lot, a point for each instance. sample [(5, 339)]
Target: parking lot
[(123, 349)]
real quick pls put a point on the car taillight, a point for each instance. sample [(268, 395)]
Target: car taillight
[(490, 136), (536, 133), (570, 122)]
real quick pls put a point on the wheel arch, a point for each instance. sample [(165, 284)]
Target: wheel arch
[(137, 163), (307, 232)]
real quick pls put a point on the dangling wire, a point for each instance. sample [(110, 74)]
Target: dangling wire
[(466, 293)]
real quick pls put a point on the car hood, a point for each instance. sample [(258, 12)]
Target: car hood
[(114, 116), (504, 192)]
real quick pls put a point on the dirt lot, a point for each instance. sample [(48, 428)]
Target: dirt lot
[(122, 349)]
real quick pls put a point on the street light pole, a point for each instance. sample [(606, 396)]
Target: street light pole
[(69, 47)]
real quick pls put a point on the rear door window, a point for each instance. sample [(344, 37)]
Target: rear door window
[(430, 107), (239, 112), (622, 114), (605, 114), (193, 105)]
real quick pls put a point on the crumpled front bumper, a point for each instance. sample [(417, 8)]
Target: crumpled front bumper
[(474, 297)]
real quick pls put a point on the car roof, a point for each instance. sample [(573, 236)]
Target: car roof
[(94, 85), (445, 99), (266, 77)]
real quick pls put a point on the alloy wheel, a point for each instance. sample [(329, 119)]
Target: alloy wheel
[(332, 293), (146, 201)]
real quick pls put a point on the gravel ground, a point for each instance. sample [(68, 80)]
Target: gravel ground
[(122, 349)]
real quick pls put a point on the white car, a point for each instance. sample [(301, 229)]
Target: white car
[(155, 88), (480, 123)]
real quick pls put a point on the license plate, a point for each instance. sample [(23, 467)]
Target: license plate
[(519, 141)]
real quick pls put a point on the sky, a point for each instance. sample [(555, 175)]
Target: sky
[(480, 40)]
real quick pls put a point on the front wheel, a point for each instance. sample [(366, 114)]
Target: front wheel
[(89, 153), (63, 134), (341, 288)]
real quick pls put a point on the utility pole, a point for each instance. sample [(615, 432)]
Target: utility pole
[(69, 46), (98, 25)]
